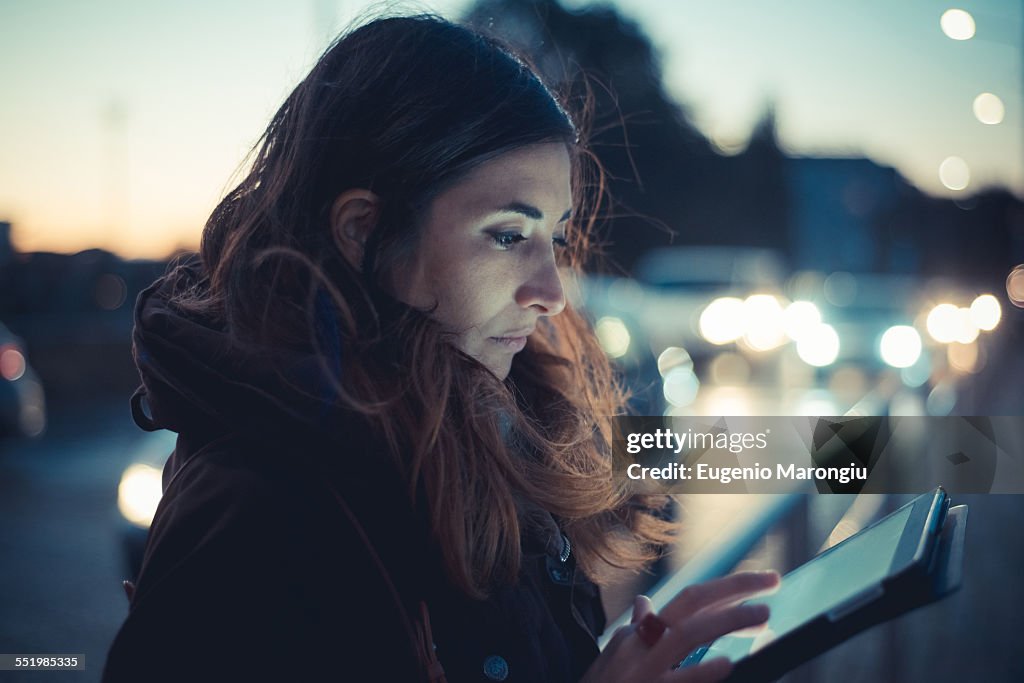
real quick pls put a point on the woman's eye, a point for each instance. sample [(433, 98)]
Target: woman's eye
[(507, 240)]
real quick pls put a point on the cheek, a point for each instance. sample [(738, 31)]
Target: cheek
[(477, 291), (432, 281), (469, 294), (471, 284)]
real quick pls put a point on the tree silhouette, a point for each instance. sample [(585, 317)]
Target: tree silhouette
[(666, 184)]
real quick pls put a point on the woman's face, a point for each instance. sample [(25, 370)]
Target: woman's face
[(487, 253)]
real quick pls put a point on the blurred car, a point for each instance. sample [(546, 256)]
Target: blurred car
[(22, 405), (729, 330), (139, 492)]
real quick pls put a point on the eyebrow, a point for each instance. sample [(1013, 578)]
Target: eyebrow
[(531, 212)]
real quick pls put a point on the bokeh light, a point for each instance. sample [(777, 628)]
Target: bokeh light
[(139, 493), (762, 317), (1015, 286), (12, 363), (728, 142), (613, 335), (900, 346), (680, 386), (673, 357), (110, 291), (954, 173), (799, 318), (957, 24), (33, 410), (805, 284), (729, 369), (966, 330), (727, 401), (840, 288), (947, 323), (986, 312), (625, 294), (722, 321), (963, 357), (849, 384), (815, 402), (819, 347), (942, 323), (989, 109)]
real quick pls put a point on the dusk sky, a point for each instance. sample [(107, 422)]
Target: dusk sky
[(123, 122)]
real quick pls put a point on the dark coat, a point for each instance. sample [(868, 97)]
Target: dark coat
[(254, 570)]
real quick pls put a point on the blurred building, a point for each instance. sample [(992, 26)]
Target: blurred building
[(74, 313)]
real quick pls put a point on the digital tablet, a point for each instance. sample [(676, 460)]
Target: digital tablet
[(883, 570)]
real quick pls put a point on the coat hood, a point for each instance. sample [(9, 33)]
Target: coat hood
[(198, 380)]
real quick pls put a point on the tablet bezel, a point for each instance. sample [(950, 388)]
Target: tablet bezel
[(918, 540), (910, 563)]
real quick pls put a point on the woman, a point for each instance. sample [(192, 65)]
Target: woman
[(392, 459)]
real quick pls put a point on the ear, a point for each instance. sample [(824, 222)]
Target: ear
[(353, 217)]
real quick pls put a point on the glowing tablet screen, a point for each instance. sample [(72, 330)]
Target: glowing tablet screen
[(821, 585)]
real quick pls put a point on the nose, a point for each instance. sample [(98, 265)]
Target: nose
[(543, 291)]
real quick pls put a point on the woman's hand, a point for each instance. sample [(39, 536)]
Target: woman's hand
[(698, 615)]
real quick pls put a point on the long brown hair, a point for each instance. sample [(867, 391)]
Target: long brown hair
[(405, 107)]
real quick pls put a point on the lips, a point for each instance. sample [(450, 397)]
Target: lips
[(513, 341), (512, 334)]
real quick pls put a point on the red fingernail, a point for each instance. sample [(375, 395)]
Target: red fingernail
[(650, 629)]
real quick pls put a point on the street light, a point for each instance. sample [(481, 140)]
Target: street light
[(989, 109), (957, 24)]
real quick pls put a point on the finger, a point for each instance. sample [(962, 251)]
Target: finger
[(712, 670), (729, 588), (642, 606), (774, 583), (684, 637), (621, 634)]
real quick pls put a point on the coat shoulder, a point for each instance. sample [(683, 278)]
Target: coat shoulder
[(248, 574)]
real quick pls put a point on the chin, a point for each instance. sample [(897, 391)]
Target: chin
[(499, 364), (500, 369), (501, 373)]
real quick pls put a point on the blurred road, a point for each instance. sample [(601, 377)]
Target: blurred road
[(60, 560)]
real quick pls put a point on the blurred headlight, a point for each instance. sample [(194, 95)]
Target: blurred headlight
[(799, 318), (819, 347), (900, 346), (763, 317), (139, 493), (722, 321), (986, 312)]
